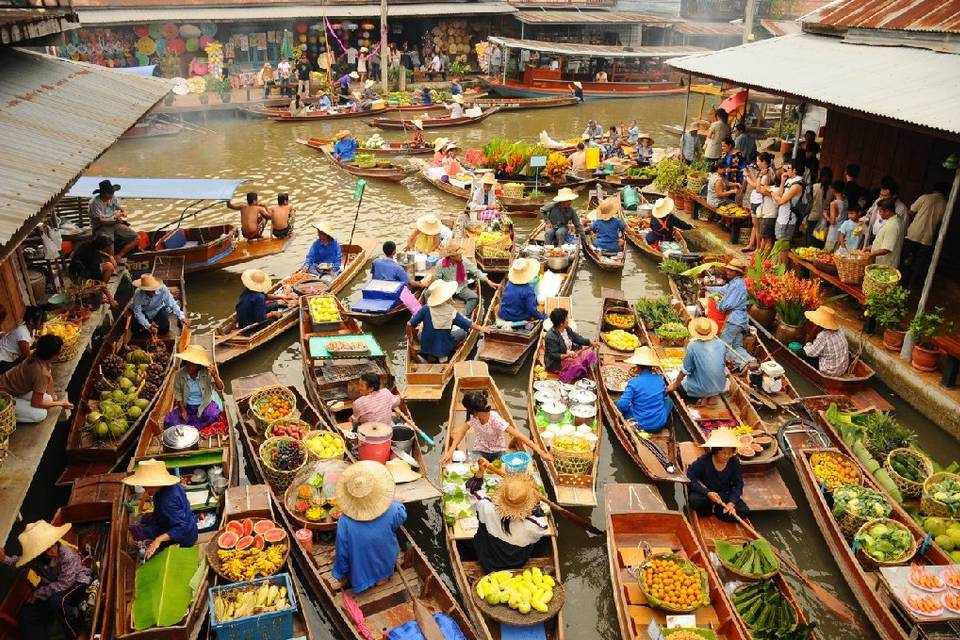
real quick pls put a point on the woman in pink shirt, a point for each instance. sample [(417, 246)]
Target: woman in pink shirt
[(374, 404), (492, 434)]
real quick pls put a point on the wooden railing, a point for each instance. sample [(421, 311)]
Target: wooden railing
[(564, 3)]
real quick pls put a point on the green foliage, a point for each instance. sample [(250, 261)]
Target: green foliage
[(673, 268), (163, 590), (928, 325), (672, 331), (671, 175), (884, 433), (511, 156), (656, 311), (787, 132), (459, 67), (888, 307)]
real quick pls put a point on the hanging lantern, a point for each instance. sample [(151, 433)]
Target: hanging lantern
[(170, 30), (190, 31), (193, 45), (146, 46), (209, 29), (141, 30), (204, 41), (301, 27), (161, 45), (302, 38), (176, 46), (369, 26)]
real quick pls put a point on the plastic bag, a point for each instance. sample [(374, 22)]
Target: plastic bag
[(52, 241)]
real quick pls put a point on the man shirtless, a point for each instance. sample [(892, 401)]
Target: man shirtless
[(280, 216), (253, 217)]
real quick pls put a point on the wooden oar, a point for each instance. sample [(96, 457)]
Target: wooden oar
[(566, 513), (829, 600), (428, 626)]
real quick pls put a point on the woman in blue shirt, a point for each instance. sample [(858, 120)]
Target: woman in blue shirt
[(346, 147), (518, 304), (716, 479), (193, 390), (324, 258), (254, 307), (645, 400), (608, 228), (443, 327), (171, 521)]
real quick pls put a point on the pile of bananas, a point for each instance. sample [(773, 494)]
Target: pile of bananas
[(247, 601), (732, 211), (65, 330), (621, 340), (247, 564), (540, 372), (522, 592), (572, 444)]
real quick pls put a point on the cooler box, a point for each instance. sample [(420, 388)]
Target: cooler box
[(371, 305), (382, 290), (592, 159)]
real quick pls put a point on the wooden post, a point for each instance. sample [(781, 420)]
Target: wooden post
[(384, 49), (686, 110), (748, 21)]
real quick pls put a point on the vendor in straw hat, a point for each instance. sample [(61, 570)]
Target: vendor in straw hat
[(322, 102), (454, 267), (193, 390), (428, 234), (443, 326), (511, 522), (644, 148), (733, 303), (426, 96), (255, 307), (703, 374), (450, 164), (559, 216), (829, 351), (152, 304), (346, 147), (607, 226), (577, 89), (366, 544), (456, 107), (691, 139), (716, 478), (594, 129), (518, 305), (416, 135), (492, 434), (645, 401), (663, 222), (172, 520), (325, 259), (109, 219), (566, 352), (63, 582), (484, 196), (438, 146)]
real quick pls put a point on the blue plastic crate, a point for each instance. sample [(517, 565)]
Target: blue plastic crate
[(370, 305), (382, 290), (272, 625)]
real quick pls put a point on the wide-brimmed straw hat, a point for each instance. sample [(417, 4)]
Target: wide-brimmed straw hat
[(151, 473), (365, 490), (663, 207), (256, 280), (644, 356), (609, 208), (343, 133), (488, 178), (418, 124), (584, 136), (578, 85), (721, 438), (439, 143), (369, 83), (196, 354), (523, 270), (516, 498), (364, 50), (453, 144), (354, 75), (645, 136), (452, 248), (148, 283), (735, 264), (105, 186), (565, 194), (37, 537), (401, 471), (429, 224), (458, 99), (357, 95), (702, 328), (324, 228), (823, 316), (440, 291)]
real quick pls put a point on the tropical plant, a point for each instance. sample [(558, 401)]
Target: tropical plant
[(169, 66), (164, 587), (510, 157), (671, 175), (656, 311), (557, 166), (673, 268), (790, 294), (763, 263), (888, 306), (783, 131), (459, 67), (927, 325)]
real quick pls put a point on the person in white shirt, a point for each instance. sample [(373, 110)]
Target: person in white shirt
[(928, 211), (284, 71), (888, 189), (456, 107), (496, 59), (554, 65), (351, 54), (435, 65), (578, 159), (484, 196), (15, 344), (885, 249)]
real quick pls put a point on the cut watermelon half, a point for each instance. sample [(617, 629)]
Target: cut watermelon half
[(227, 540), (248, 527), (262, 526), (236, 527), (275, 535), (259, 542), (244, 543)]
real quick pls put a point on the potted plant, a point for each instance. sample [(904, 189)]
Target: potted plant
[(925, 327), (225, 90), (793, 295), (761, 300), (786, 133), (671, 178), (888, 308)]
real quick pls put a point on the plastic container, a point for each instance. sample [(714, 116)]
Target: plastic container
[(382, 290), (516, 462), (272, 625), (592, 158), (375, 441), (403, 438), (304, 539)]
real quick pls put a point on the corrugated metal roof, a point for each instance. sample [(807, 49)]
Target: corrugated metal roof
[(916, 87), (709, 28), (780, 27), (161, 188), (594, 50), (56, 117), (941, 16), (589, 17)]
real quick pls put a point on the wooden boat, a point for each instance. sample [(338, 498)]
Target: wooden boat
[(574, 480), (87, 456), (605, 262), (638, 238), (388, 149), (384, 606), (473, 376), (231, 344), (323, 116), (432, 123), (508, 349), (387, 171), (514, 206), (92, 509), (425, 380), (491, 259), (516, 104), (650, 452), (638, 519), (416, 108), (207, 248)]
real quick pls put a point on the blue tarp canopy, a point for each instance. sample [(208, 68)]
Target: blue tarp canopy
[(160, 188)]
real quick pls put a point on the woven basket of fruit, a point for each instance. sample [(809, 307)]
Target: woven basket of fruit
[(878, 278), (68, 332), (290, 427), (324, 445), (621, 340), (282, 458), (941, 495), (308, 500), (833, 469), (883, 542), (572, 455), (673, 583), (850, 267), (908, 468), (513, 189), (619, 320), (748, 559), (522, 599), (272, 403), (248, 549)]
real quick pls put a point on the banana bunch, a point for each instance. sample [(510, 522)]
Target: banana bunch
[(248, 601), (247, 564), (65, 330), (522, 592), (621, 340)]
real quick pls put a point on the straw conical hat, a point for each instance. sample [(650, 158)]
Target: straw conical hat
[(565, 195), (644, 356), (516, 498), (196, 354), (148, 283), (365, 490), (37, 538), (256, 280), (824, 317), (702, 329), (663, 207), (429, 224), (440, 291), (523, 270), (401, 471), (721, 439), (151, 473)]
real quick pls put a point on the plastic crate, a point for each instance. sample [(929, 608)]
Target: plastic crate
[(382, 290), (272, 625)]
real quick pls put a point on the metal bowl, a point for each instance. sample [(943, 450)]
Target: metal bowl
[(583, 396), (585, 383), (553, 411), (542, 385), (542, 397), (533, 251), (181, 436), (558, 263)]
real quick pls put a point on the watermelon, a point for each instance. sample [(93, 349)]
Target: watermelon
[(227, 540), (263, 526), (247, 527), (746, 451), (244, 543), (236, 527), (275, 535), (259, 542)]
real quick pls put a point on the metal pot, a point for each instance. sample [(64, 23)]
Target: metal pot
[(553, 410), (533, 251), (645, 210), (583, 396), (558, 263), (180, 437), (583, 413), (545, 396), (585, 383), (546, 385)]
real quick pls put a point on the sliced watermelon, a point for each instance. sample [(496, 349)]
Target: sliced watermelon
[(227, 540), (263, 526), (746, 451), (236, 527), (259, 542), (275, 535), (763, 440), (244, 543), (248, 527), (745, 439)]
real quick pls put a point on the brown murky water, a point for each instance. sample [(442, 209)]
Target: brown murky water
[(268, 156)]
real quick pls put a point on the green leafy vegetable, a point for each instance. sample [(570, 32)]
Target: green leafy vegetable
[(888, 541), (163, 590), (656, 311)]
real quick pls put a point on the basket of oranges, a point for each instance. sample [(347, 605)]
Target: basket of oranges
[(673, 583), (833, 469), (272, 403)]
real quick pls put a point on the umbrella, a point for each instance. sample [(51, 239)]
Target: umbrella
[(356, 614)]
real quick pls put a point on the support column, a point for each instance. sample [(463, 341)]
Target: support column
[(384, 49)]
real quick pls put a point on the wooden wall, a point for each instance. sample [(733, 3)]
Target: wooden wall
[(11, 292)]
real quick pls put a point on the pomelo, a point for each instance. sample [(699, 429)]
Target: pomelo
[(236, 527), (227, 540), (262, 526), (275, 535), (244, 543), (945, 542)]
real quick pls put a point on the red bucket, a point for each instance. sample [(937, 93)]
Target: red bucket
[(375, 441)]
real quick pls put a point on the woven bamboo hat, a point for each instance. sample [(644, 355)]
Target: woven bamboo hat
[(418, 124), (458, 99), (646, 136), (196, 354), (663, 207), (644, 356), (37, 537), (439, 143), (354, 75), (343, 133), (256, 280), (523, 270), (365, 490), (609, 208), (401, 471), (151, 473), (565, 194), (324, 228), (721, 439), (702, 328), (517, 497), (578, 85), (429, 224), (440, 291), (148, 283), (823, 316), (368, 84), (488, 178), (452, 248), (735, 264)]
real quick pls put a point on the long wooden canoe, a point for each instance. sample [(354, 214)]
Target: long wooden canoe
[(207, 248), (637, 519), (87, 456), (324, 116), (605, 262), (647, 450), (508, 349), (474, 376), (517, 104), (231, 344), (383, 606), (638, 238), (386, 171), (388, 149), (432, 123), (526, 205)]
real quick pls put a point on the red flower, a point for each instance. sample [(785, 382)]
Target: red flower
[(748, 281), (767, 265)]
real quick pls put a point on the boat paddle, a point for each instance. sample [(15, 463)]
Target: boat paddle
[(566, 513), (428, 625), (829, 600)]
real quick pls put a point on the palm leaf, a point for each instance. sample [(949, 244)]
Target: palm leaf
[(163, 587)]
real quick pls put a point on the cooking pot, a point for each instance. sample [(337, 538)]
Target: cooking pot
[(544, 385), (553, 410), (533, 251), (558, 263), (583, 413), (583, 396), (645, 210), (545, 396), (180, 437), (585, 383)]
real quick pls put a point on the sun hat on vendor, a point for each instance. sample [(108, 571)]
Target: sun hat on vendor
[(565, 194), (37, 537), (196, 354), (418, 123), (401, 471), (585, 136), (429, 224), (735, 264), (439, 143), (523, 270), (663, 207), (452, 144), (722, 438), (823, 316), (702, 328), (363, 49), (452, 248), (324, 228), (441, 291), (256, 280), (354, 75), (516, 498), (365, 490), (578, 84), (609, 208), (105, 186), (343, 133), (148, 282), (644, 357), (151, 473), (458, 99), (488, 178)]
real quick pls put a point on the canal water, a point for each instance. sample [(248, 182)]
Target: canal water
[(268, 156)]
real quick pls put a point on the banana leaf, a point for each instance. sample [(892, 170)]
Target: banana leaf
[(164, 587)]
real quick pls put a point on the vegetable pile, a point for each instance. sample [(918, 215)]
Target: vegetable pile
[(621, 340), (947, 491), (946, 533), (884, 434), (908, 466), (852, 430), (854, 500), (887, 541), (249, 600), (763, 606), (673, 332), (656, 311), (834, 469), (755, 558)]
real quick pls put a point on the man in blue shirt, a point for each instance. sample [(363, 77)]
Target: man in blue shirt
[(386, 268), (645, 400), (704, 371), (344, 83), (151, 303), (253, 307), (346, 147), (734, 303), (324, 258), (518, 305), (171, 521), (323, 101)]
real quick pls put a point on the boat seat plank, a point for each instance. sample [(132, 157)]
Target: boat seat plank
[(630, 556), (637, 496), (574, 495), (633, 593)]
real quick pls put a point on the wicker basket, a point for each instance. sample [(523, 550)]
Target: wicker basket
[(931, 507), (850, 268), (838, 455), (213, 558), (71, 345), (513, 190), (310, 434), (505, 615), (850, 523), (8, 415), (261, 394), (575, 463), (286, 422), (907, 487), (278, 479), (746, 577), (872, 285), (688, 568), (869, 562)]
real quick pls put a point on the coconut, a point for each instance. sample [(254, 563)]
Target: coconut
[(93, 416), (118, 427), (100, 430)]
